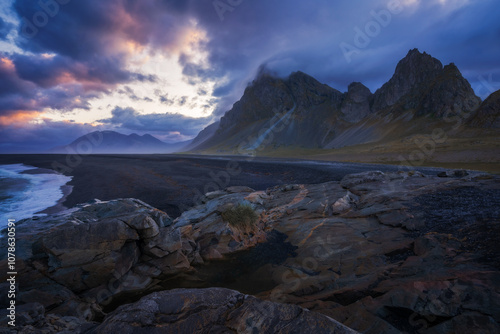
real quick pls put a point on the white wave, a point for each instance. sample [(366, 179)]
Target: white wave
[(39, 192)]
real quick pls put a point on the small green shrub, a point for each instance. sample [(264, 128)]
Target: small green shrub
[(242, 215)]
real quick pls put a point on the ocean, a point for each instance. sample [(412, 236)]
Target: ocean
[(25, 195)]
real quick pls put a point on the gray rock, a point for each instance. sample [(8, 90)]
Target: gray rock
[(352, 180), (345, 203), (239, 189), (356, 104), (214, 310), (453, 173), (400, 246)]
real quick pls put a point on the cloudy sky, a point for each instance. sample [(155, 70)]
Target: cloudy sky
[(171, 67)]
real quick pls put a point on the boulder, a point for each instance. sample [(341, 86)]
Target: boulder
[(345, 203), (453, 173), (352, 180), (214, 310), (85, 259)]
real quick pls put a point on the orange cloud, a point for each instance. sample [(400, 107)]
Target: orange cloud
[(7, 64), (20, 118)]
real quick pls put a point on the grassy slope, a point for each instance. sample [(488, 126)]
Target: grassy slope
[(475, 149), (476, 153)]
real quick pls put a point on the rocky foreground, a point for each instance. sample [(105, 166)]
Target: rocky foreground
[(374, 253)]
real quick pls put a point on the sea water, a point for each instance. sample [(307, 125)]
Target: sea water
[(24, 195)]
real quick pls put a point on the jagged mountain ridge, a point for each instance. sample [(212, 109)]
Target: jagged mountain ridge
[(420, 91), (420, 82)]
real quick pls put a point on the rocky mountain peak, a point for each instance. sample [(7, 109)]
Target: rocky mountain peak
[(412, 71), (268, 95), (264, 97), (356, 104), (415, 60), (448, 94), (451, 71), (307, 91), (488, 114), (358, 92)]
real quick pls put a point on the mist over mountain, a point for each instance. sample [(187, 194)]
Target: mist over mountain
[(109, 142), (300, 112)]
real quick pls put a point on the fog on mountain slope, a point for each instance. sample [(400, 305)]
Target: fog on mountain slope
[(300, 112), (111, 142), (421, 92)]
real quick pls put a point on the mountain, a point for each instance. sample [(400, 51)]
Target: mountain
[(421, 83), (356, 103), (488, 114), (107, 142), (298, 104), (204, 134), (300, 112), (413, 71)]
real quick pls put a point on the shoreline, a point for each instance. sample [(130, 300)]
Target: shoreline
[(59, 206), (175, 182), (66, 190)]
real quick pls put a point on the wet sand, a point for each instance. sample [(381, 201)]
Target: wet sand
[(173, 183)]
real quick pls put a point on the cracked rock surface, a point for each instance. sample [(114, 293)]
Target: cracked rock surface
[(393, 252), (377, 252), (214, 310)]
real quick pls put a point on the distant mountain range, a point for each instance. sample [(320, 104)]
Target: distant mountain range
[(108, 142), (300, 112)]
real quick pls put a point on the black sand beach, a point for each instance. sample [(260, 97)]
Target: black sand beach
[(175, 182)]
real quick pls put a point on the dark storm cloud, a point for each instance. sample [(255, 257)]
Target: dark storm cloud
[(469, 38), (242, 35), (20, 95), (81, 29), (129, 119), (10, 83), (78, 43), (297, 35), (5, 28), (52, 71), (90, 42)]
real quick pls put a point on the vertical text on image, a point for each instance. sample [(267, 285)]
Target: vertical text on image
[(11, 265)]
